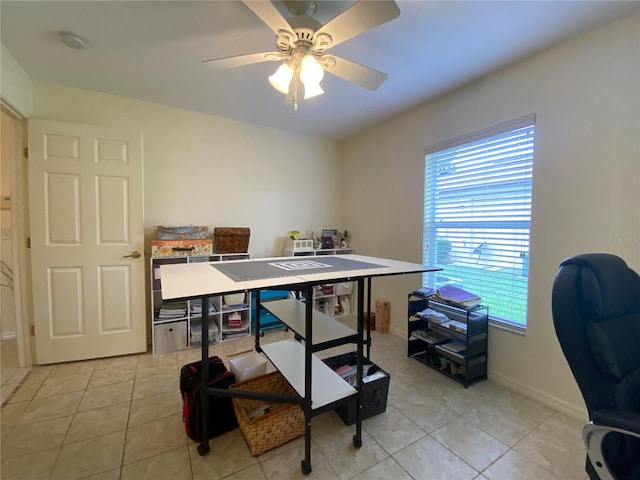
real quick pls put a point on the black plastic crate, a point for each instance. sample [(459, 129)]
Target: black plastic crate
[(374, 393)]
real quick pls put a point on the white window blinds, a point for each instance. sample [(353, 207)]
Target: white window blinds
[(477, 215)]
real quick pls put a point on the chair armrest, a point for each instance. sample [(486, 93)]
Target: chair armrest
[(604, 422)]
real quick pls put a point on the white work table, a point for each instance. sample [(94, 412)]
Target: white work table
[(189, 280), (318, 386)]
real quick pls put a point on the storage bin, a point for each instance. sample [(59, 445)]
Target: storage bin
[(344, 288), (181, 233), (248, 366), (170, 337), (280, 424), (234, 298), (231, 239), (181, 248), (374, 392), (195, 335)]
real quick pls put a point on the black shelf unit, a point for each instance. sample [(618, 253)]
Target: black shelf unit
[(430, 343)]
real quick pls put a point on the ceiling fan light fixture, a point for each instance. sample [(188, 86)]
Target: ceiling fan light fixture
[(312, 90), (311, 70), (282, 78), (311, 74)]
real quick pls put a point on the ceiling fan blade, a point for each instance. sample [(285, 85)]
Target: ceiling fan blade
[(354, 72), (241, 60), (359, 18), (269, 14)]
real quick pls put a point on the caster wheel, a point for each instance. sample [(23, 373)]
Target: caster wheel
[(306, 467), (203, 449), (357, 442)]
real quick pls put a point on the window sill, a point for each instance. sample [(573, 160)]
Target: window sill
[(518, 330)]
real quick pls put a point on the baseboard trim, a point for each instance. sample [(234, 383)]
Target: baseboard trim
[(9, 336), (578, 412)]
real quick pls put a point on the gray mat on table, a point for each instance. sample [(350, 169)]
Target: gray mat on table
[(291, 267)]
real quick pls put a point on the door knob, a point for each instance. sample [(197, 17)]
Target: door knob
[(134, 254)]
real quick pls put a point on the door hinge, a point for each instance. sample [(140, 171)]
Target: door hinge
[(33, 330), (28, 242), (26, 152)]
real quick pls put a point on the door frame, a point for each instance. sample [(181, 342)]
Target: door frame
[(19, 237)]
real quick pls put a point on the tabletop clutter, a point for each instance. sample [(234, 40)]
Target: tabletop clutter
[(195, 240)]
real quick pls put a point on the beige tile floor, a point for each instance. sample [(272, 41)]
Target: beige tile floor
[(120, 418), (10, 372)]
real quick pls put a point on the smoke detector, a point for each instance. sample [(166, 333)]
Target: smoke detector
[(72, 40)]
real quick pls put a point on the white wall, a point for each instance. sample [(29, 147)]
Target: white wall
[(205, 170), (586, 95), (15, 84), (7, 304)]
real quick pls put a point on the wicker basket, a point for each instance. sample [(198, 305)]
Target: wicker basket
[(282, 423), (231, 239)]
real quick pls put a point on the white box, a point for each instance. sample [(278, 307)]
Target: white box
[(299, 245), (248, 366)]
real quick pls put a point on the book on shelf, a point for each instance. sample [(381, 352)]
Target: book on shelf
[(196, 308), (431, 336), (455, 346), (458, 326), (451, 353), (226, 334), (457, 296), (424, 291), (172, 310), (433, 316)]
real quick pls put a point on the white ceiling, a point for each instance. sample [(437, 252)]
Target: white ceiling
[(151, 50)]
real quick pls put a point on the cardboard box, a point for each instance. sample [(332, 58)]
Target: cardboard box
[(181, 248)]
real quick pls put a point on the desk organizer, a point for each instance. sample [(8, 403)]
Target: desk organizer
[(281, 424)]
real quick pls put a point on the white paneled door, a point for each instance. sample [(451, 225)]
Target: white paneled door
[(87, 239)]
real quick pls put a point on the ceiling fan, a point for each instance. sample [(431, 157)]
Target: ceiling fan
[(302, 43)]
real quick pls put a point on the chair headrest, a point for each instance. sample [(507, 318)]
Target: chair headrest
[(607, 286)]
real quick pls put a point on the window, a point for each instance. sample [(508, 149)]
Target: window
[(477, 216)]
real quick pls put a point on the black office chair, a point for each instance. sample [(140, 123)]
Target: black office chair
[(596, 313)]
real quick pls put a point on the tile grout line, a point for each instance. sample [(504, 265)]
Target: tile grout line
[(16, 388)]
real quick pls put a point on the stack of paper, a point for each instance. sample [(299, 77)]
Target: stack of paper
[(172, 310), (196, 308), (424, 291), (434, 316), (457, 296)]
